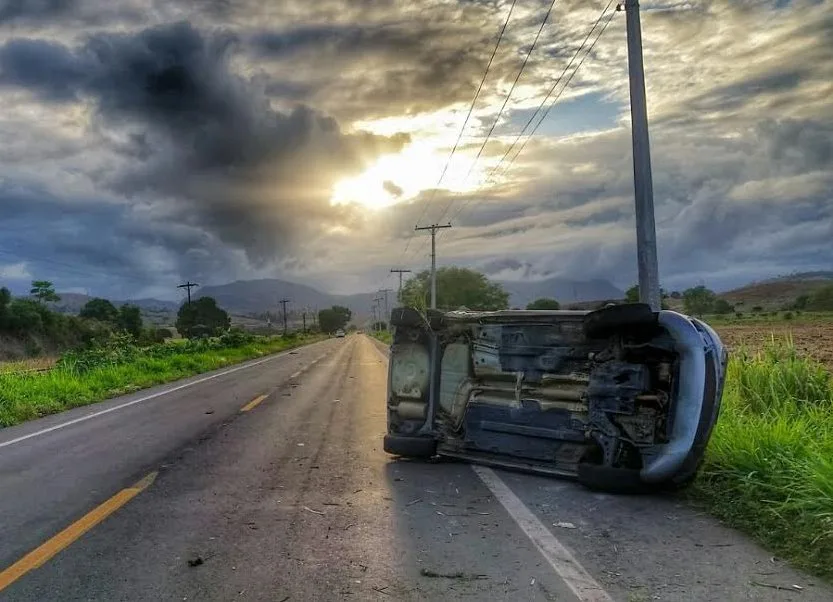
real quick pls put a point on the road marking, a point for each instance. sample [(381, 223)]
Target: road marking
[(560, 558), (40, 555), (140, 400), (295, 374), (253, 403)]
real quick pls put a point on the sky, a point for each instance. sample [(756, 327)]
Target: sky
[(146, 142)]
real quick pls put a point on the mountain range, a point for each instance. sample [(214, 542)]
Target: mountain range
[(256, 297)]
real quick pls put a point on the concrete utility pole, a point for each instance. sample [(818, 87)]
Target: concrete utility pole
[(284, 302), (433, 228), (188, 285), (646, 234), (400, 272)]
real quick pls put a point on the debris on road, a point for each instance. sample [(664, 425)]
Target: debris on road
[(458, 575), (792, 588), (564, 525), (412, 502), (195, 561), (308, 509)]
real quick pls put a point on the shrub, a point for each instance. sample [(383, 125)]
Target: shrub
[(788, 315)]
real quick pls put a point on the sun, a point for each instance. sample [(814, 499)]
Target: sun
[(403, 176)]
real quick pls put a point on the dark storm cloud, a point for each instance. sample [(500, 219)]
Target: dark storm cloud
[(257, 178), (22, 10)]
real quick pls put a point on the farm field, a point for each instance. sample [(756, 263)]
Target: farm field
[(813, 339)]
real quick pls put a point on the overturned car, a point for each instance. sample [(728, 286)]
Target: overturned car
[(623, 399)]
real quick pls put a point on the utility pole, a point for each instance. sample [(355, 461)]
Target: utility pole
[(304, 317), (387, 307), (377, 311), (646, 234), (188, 285), (400, 272), (433, 228), (284, 302)]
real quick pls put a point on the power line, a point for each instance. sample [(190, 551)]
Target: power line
[(503, 106), (465, 123), (544, 115), (552, 89)]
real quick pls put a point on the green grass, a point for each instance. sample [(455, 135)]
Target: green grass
[(383, 335), (27, 396), (769, 466)]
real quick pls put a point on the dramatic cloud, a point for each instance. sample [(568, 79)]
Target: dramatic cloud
[(154, 140)]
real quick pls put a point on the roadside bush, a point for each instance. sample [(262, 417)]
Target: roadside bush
[(236, 337), (788, 315), (118, 349)]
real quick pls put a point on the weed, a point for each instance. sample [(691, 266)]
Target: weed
[(768, 469)]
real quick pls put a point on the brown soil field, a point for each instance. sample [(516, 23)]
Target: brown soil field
[(814, 340)]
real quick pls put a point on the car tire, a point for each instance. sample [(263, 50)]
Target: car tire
[(410, 447), (608, 479), (607, 321)]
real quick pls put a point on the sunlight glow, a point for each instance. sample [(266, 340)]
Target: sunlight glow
[(403, 176)]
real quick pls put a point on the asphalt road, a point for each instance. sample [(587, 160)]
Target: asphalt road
[(293, 499)]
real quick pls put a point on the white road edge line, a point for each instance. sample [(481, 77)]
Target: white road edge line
[(140, 400), (559, 556)]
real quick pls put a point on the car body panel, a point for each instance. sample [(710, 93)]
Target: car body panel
[(547, 391)]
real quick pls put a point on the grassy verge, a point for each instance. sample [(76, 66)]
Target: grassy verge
[(75, 383), (383, 335), (769, 467)]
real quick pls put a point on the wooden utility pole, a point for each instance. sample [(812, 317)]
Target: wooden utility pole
[(188, 285), (284, 302), (387, 307), (433, 228)]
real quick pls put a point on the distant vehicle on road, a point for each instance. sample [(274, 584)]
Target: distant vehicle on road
[(339, 333), (623, 399)]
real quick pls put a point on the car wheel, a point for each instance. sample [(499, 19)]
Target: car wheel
[(410, 447), (607, 321)]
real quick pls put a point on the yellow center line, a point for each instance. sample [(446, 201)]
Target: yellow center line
[(253, 403), (40, 555)]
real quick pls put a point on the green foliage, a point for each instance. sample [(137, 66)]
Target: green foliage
[(201, 317), (544, 303), (43, 291), (456, 288), (699, 300), (99, 309), (632, 294), (768, 468), (801, 302), (330, 320), (757, 309), (130, 320), (117, 366), (821, 300), (722, 307)]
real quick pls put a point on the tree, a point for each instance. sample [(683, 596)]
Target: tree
[(130, 320), (722, 307), (101, 310), (456, 288), (201, 316), (330, 320), (822, 299), (632, 296), (698, 300), (43, 291), (544, 303), (801, 302)]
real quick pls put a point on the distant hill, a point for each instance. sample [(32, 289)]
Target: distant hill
[(777, 293), (564, 290), (154, 311), (260, 296)]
